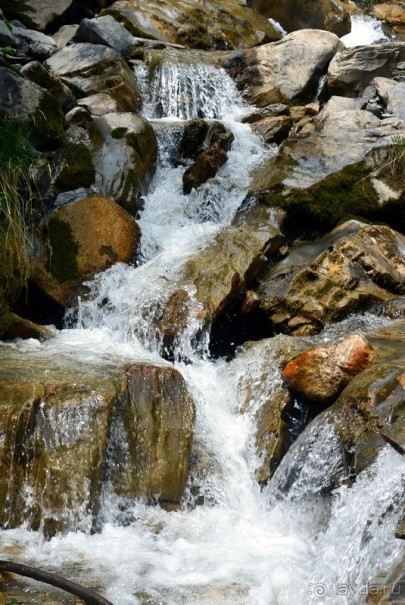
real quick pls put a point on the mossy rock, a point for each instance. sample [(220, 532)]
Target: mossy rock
[(74, 168)]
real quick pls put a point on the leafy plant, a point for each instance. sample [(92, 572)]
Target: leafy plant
[(16, 194)]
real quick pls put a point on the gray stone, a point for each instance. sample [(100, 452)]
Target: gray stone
[(287, 71), (352, 70), (38, 14), (393, 95), (99, 104), (92, 68), (106, 30), (27, 41)]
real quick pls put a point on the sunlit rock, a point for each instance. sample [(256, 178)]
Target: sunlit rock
[(93, 68), (352, 70), (333, 168), (209, 25), (287, 71), (319, 375), (78, 239), (347, 271), (123, 148), (330, 15)]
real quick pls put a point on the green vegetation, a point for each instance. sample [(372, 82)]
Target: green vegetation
[(16, 155)]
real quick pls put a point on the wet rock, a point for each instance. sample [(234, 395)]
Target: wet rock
[(27, 41), (56, 410), (219, 274), (392, 94), (400, 530), (372, 404), (209, 25), (194, 134), (273, 130), (72, 167), (85, 236), (319, 375), (158, 423), (205, 167), (106, 30), (287, 71), (306, 14), (38, 14), (25, 101), (92, 68), (388, 587), (352, 70), (349, 270), (123, 147), (336, 168), (78, 116), (13, 326), (99, 104), (35, 72)]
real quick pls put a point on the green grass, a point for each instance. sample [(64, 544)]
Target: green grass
[(16, 155)]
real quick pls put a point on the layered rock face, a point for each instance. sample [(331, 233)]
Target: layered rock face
[(64, 426)]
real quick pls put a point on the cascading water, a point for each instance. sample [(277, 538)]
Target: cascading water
[(293, 542)]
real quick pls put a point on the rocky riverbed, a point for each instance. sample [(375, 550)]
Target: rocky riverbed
[(202, 252)]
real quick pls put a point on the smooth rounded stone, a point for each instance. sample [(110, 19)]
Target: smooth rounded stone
[(195, 24), (370, 409), (393, 95), (286, 71), (88, 235), (123, 148), (347, 271), (38, 14), (320, 375), (25, 101), (99, 104), (35, 72), (352, 70), (27, 41), (106, 30), (330, 15), (93, 68), (220, 273), (337, 168), (78, 116), (273, 130)]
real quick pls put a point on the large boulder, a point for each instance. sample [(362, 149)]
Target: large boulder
[(123, 148), (286, 71), (214, 279), (161, 411), (106, 30), (56, 410), (93, 68), (25, 101), (392, 94), (36, 72), (86, 236), (331, 15), (208, 24), (337, 167), (351, 71), (351, 269)]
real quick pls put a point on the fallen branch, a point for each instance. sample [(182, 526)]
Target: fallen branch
[(89, 596)]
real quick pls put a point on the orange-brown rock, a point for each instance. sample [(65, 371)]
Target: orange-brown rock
[(88, 235), (394, 14), (319, 375), (274, 129)]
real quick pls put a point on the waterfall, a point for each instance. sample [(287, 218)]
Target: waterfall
[(230, 542), (365, 30)]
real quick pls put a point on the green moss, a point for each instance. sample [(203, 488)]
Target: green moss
[(336, 198), (77, 169), (46, 127), (64, 250)]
